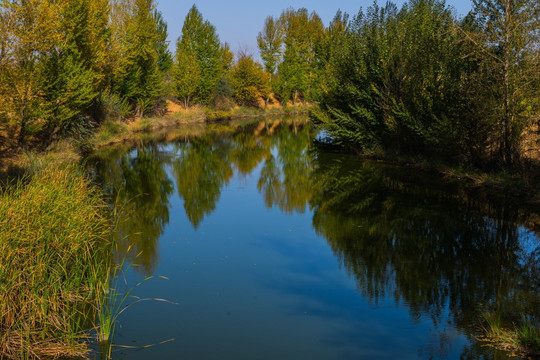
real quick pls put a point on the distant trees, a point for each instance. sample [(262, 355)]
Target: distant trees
[(414, 79), (289, 45)]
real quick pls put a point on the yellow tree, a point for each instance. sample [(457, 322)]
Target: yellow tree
[(250, 81), (28, 32)]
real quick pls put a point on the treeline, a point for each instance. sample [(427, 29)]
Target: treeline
[(66, 66), (65, 63), (415, 80), (421, 81)]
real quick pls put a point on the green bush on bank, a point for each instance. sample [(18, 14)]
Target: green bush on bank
[(54, 259)]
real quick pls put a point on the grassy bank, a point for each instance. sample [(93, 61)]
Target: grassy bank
[(54, 259)]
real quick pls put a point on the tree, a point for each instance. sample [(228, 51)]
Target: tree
[(270, 43), (297, 72), (162, 45), (71, 73), (199, 38), (249, 80), (28, 31), (510, 47), (138, 78), (186, 74)]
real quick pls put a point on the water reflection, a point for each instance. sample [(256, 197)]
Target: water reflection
[(443, 251), (434, 248)]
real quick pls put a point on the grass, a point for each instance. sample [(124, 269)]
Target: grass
[(522, 339), (54, 260)]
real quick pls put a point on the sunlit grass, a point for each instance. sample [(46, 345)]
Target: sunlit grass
[(54, 259)]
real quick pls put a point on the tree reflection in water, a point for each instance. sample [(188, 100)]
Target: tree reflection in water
[(438, 248)]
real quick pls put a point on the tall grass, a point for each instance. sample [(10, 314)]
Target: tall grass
[(54, 259)]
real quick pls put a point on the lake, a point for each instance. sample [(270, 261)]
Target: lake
[(272, 246)]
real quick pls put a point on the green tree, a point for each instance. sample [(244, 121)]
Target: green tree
[(165, 59), (71, 79), (199, 37), (270, 43), (297, 71), (186, 74), (510, 46), (250, 81), (138, 78)]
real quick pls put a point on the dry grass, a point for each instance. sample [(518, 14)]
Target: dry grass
[(54, 259)]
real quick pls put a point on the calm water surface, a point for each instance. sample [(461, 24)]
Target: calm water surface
[(274, 248)]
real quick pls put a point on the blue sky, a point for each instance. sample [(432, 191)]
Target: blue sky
[(239, 21)]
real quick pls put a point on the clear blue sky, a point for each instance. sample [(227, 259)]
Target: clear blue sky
[(239, 21)]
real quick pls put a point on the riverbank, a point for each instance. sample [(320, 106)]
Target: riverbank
[(113, 132)]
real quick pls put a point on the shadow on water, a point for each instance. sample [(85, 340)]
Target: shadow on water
[(444, 250)]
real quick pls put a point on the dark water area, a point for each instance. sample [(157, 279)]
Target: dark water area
[(275, 248)]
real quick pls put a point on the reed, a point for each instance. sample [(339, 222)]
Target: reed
[(54, 262)]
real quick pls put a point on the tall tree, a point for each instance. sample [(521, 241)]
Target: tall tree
[(138, 77), (270, 43), (199, 37), (71, 71), (28, 31), (186, 74), (162, 45), (303, 31), (511, 46)]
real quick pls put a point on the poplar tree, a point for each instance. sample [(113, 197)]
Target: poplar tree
[(186, 74), (270, 43), (303, 32), (199, 38)]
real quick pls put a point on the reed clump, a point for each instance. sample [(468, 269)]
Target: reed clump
[(522, 339), (54, 263)]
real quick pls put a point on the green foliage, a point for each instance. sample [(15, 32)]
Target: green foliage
[(222, 96), (138, 78), (165, 59), (417, 80), (270, 43), (250, 81), (186, 74), (200, 40), (28, 31), (508, 42), (410, 81), (298, 70)]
